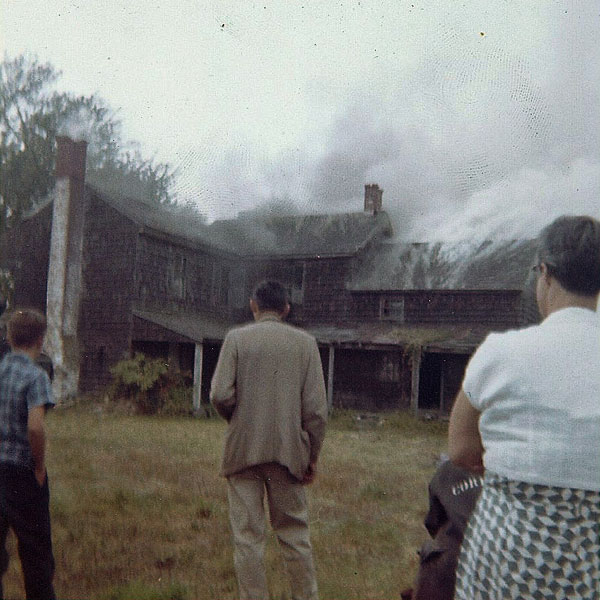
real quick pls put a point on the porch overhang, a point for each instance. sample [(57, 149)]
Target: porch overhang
[(190, 327), (451, 339)]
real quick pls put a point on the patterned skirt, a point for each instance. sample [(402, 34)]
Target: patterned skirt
[(527, 541)]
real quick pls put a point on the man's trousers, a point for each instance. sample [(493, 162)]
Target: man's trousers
[(24, 507), (289, 519)]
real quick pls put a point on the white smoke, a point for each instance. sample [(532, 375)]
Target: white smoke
[(78, 125), (519, 206), (486, 131)]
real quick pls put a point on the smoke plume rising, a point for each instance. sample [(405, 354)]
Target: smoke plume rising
[(489, 134)]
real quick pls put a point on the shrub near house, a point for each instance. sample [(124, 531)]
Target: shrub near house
[(151, 386)]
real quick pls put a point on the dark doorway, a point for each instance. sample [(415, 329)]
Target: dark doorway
[(440, 380), (452, 376), (210, 356), (430, 378), (367, 379)]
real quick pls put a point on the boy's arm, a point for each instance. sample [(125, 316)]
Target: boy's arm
[(37, 441), (39, 399)]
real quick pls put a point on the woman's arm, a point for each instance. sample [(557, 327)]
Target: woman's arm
[(464, 440)]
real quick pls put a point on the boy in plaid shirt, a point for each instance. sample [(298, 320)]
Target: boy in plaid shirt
[(25, 395)]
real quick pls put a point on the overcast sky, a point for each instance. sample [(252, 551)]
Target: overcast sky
[(477, 118)]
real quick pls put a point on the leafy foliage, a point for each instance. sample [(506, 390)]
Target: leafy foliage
[(151, 385), (32, 113)]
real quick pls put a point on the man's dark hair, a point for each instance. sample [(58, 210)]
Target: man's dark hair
[(270, 295), (570, 248), (25, 327)]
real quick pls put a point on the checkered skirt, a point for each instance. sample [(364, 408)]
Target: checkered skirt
[(526, 541)]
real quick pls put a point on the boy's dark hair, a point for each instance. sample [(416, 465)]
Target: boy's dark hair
[(570, 248), (25, 327), (270, 295)]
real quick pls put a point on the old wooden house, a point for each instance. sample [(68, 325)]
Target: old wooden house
[(395, 322)]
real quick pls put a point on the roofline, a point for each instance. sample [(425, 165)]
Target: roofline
[(184, 242), (359, 248), (414, 291), (299, 216), (299, 256)]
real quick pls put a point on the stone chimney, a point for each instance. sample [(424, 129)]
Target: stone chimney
[(64, 269), (373, 198)]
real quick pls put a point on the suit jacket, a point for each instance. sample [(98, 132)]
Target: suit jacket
[(269, 385)]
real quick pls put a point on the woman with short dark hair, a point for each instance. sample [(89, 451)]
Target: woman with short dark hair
[(528, 416)]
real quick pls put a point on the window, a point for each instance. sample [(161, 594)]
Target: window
[(176, 276), (392, 309)]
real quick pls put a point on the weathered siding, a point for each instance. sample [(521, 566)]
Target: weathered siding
[(107, 295), (440, 307), (326, 298), (173, 277), (480, 307)]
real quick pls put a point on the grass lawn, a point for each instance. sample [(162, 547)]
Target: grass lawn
[(139, 510)]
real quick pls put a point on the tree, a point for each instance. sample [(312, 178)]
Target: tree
[(32, 113)]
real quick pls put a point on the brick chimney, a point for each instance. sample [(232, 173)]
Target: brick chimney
[(70, 158), (373, 198), (64, 269)]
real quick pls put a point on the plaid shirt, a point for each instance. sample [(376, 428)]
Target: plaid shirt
[(23, 386)]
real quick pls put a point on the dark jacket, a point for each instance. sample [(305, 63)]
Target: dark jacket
[(453, 493)]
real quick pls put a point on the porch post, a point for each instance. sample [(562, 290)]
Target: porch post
[(197, 395), (415, 375), (330, 366), (442, 396)]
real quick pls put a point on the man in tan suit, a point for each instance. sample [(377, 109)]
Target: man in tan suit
[(268, 385)]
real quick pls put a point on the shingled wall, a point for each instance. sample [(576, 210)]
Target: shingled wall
[(440, 307), (107, 297), (173, 276), (326, 298)]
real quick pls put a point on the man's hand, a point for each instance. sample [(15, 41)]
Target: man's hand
[(310, 474), (40, 476)]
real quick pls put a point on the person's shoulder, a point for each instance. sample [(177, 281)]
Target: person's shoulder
[(20, 362), (301, 334), (39, 376), (269, 323), (24, 367), (241, 330), (504, 340)]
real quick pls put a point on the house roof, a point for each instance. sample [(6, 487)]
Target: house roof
[(476, 266), (300, 235), (194, 326), (173, 220), (258, 234)]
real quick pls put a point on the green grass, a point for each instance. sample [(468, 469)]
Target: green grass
[(139, 509)]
